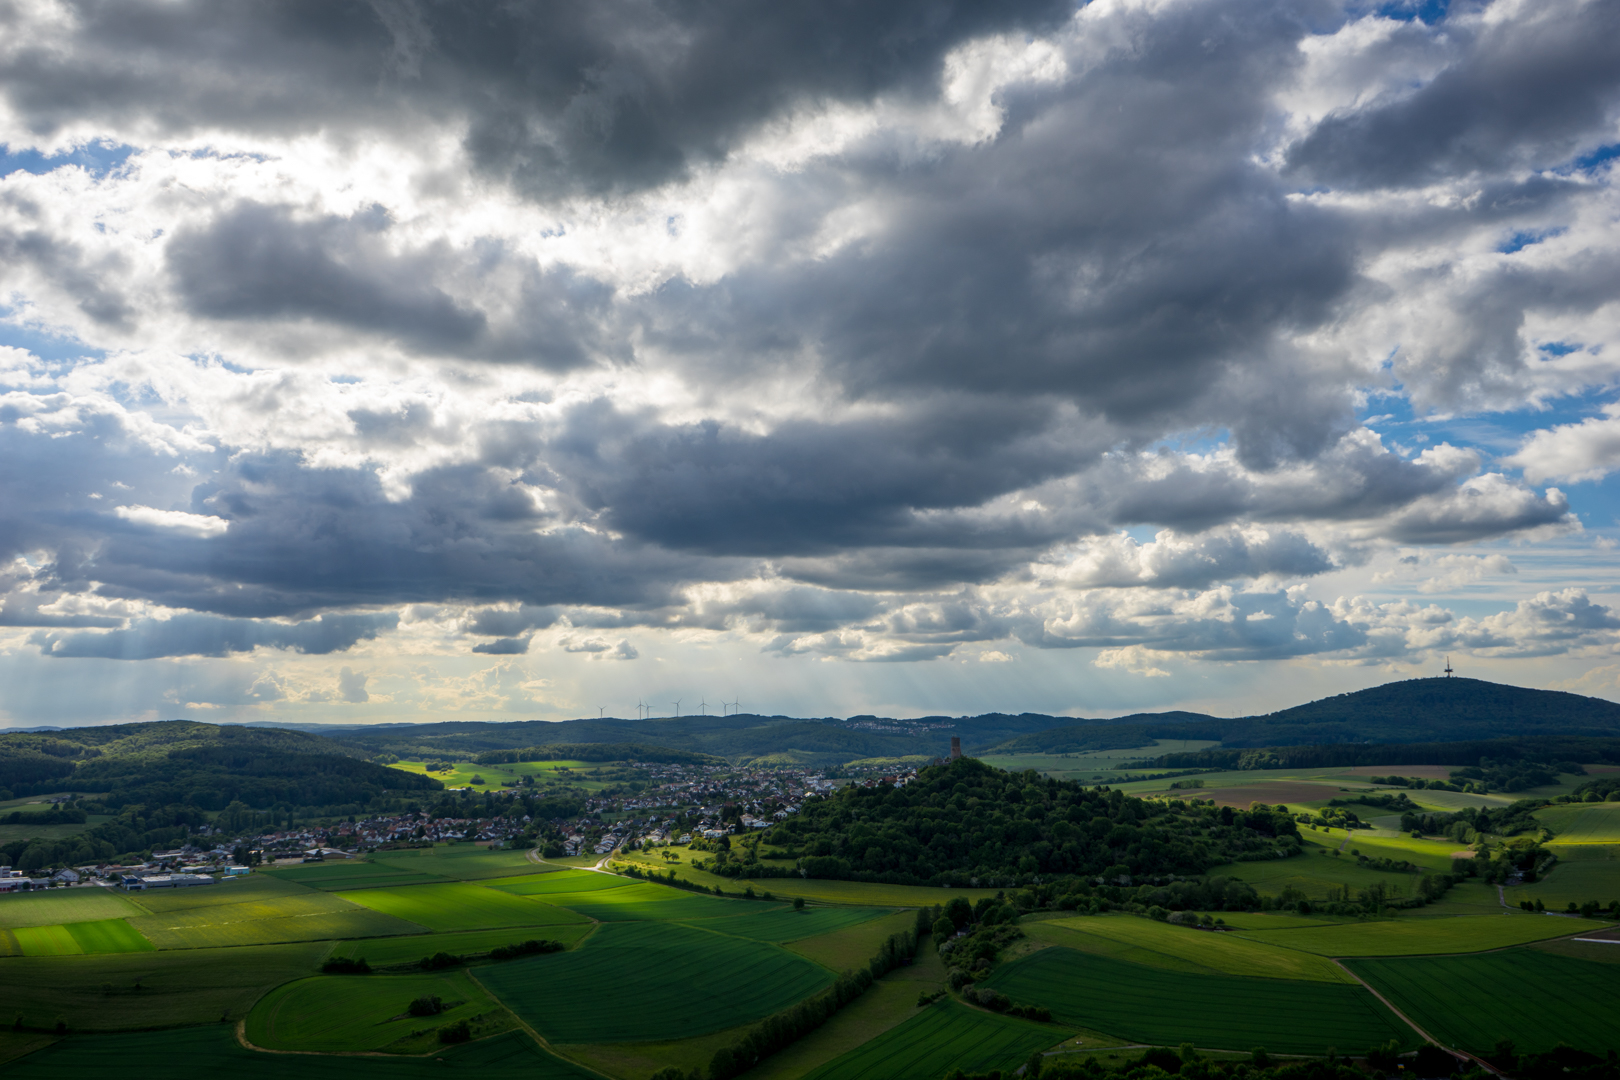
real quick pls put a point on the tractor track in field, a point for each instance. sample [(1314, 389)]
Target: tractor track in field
[(1409, 1022)]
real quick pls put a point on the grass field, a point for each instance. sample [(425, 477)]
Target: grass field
[(347, 1013), (644, 902), (213, 1050), (635, 982), (229, 891), (1535, 998), (306, 915), (945, 1036), (191, 986), (461, 862), (785, 924), (1583, 823), (865, 894), (1417, 935), (1579, 880), (64, 906), (388, 952), (73, 939), (1225, 953), (852, 947), (1215, 1011), (353, 874), (459, 906), (1316, 874), (561, 881), (509, 774)]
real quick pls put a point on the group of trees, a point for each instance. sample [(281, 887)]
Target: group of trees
[(1469, 823), (965, 822)]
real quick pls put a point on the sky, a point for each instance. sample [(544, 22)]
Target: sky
[(418, 361)]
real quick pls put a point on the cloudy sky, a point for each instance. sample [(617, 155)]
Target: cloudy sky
[(419, 360)]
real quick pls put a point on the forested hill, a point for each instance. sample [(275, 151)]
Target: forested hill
[(966, 822), (1414, 711), (205, 766)]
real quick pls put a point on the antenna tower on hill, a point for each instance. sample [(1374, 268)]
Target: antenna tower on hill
[(1448, 667)]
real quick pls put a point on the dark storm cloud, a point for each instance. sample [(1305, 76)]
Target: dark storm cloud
[(210, 635), (587, 94), (506, 646), (1530, 92)]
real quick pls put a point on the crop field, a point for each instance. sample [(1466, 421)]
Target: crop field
[(785, 924), (338, 876), (561, 881), (1430, 854), (302, 916), (637, 982), (509, 774), (63, 906), (1419, 935), (1316, 874), (1215, 1011), (461, 862), (73, 939), (1535, 998), (654, 902), (213, 1051), (229, 891), (863, 893), (844, 950), (391, 952), (1583, 823), (1225, 953), (943, 1037), (130, 991), (459, 906), (343, 1012)]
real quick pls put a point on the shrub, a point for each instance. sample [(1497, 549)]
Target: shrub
[(439, 961), (342, 965), (428, 1005), (458, 1032), (531, 947)]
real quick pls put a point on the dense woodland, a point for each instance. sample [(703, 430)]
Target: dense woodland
[(962, 821)]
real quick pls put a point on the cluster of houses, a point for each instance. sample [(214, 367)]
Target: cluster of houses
[(165, 870)]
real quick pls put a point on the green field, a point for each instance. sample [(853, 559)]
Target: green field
[(72, 939), (1321, 875), (306, 915), (866, 894), (461, 862), (1215, 1011), (390, 952), (335, 1013), (1579, 880), (785, 924), (213, 1050), (945, 1036), (337, 876), (190, 986), (459, 906), (229, 891), (562, 881), (64, 906), (1224, 953), (1419, 935), (509, 774), (638, 982), (1535, 998), (644, 902), (1583, 823)]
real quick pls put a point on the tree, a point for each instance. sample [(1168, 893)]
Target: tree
[(798, 903)]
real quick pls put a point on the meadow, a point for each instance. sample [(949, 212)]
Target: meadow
[(1535, 998), (458, 906), (1583, 823), (339, 1013), (1215, 1011), (352, 874), (945, 1036), (640, 981), (508, 774), (1416, 935), (822, 891), (780, 924), (461, 862), (1573, 879), (64, 906), (644, 902), (213, 1050), (305, 915), (844, 950), (394, 952), (73, 939), (560, 881)]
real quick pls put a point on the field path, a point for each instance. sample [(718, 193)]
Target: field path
[(1390, 1005), (535, 1035)]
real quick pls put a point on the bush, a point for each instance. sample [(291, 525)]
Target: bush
[(458, 1032), (342, 965), (439, 961), (428, 1005), (531, 947)]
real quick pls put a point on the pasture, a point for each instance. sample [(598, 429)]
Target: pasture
[(392, 952), (781, 924), (351, 874), (637, 982), (1419, 935), (1224, 953), (459, 906), (305, 915), (336, 1013), (1583, 823), (1316, 871), (56, 906), (133, 991), (1222, 1012), (1577, 880), (945, 1036), (559, 881), (213, 1051), (1537, 999)]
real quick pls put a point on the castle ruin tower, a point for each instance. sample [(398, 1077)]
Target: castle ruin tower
[(956, 747)]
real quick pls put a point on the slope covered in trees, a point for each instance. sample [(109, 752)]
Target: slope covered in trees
[(966, 820)]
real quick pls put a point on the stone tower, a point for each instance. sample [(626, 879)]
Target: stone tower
[(956, 747)]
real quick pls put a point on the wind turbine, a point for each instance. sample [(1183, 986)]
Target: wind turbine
[(703, 707), (639, 707), (599, 709), (677, 709)]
